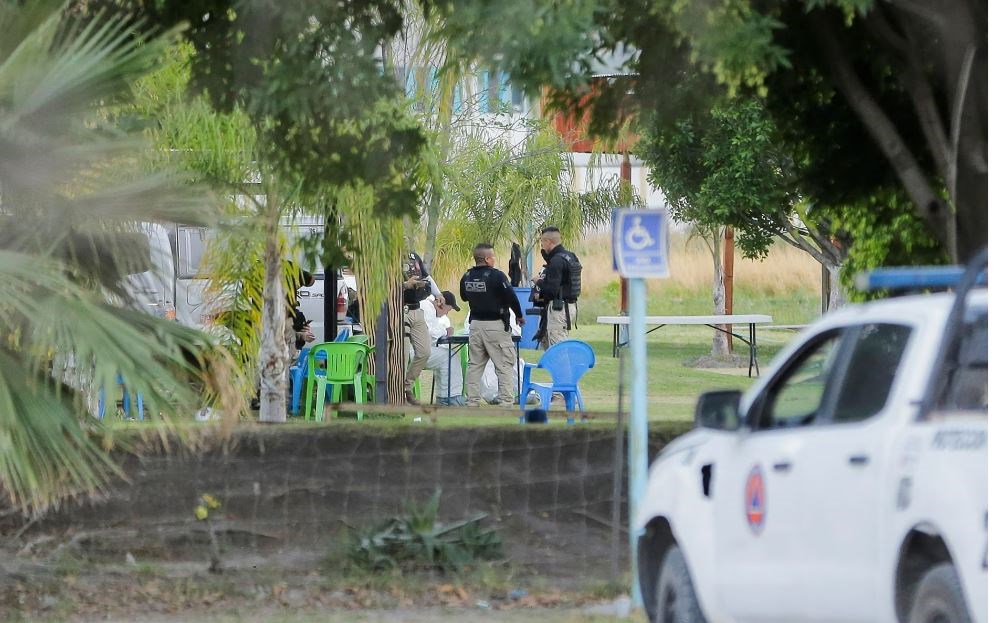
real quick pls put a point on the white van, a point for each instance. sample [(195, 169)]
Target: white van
[(187, 244), (154, 289)]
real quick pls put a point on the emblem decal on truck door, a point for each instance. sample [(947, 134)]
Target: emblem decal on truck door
[(755, 500)]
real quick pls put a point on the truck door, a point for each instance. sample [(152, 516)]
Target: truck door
[(759, 518), (840, 477)]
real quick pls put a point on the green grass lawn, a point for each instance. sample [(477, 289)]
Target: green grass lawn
[(673, 386)]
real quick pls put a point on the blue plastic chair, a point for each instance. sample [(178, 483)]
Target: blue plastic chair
[(566, 362), (297, 373), (126, 400)]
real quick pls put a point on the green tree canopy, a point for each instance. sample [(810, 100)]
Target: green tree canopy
[(326, 116), (875, 93), (309, 77), (730, 165), (501, 194)]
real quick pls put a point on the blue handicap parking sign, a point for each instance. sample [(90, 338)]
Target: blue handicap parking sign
[(641, 243)]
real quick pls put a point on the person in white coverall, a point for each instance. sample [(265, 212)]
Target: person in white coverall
[(489, 382), (439, 360)]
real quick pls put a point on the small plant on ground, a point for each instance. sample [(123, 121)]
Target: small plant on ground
[(208, 506), (417, 541)]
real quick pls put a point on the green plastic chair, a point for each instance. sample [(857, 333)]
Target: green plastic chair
[(368, 379), (344, 367)]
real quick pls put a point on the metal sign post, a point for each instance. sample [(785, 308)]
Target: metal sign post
[(640, 251)]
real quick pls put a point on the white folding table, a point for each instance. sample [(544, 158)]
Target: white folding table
[(714, 322)]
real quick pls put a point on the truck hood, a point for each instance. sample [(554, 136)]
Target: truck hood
[(693, 439)]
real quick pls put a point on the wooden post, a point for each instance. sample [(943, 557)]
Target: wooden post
[(729, 277), (625, 171)]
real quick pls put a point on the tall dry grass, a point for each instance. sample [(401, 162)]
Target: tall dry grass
[(691, 267), (783, 270), (786, 284)]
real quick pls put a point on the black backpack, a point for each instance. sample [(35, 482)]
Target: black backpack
[(572, 288)]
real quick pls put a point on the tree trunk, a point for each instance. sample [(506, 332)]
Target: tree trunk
[(971, 168), (927, 204), (837, 298), (273, 356), (719, 347), (729, 278)]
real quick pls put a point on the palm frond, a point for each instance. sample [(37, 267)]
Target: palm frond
[(45, 452), (75, 189), (500, 193), (48, 319)]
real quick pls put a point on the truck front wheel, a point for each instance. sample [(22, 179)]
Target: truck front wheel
[(676, 601), (939, 598)]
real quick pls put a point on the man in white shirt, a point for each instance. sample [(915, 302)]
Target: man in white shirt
[(435, 310)]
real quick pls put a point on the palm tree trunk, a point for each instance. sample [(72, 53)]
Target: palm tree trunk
[(273, 355), (435, 201), (397, 347)]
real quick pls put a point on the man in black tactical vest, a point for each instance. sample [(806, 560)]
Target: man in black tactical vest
[(558, 288), (490, 296), (418, 285)]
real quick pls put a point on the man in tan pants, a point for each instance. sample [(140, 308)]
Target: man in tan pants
[(418, 285), (490, 296)]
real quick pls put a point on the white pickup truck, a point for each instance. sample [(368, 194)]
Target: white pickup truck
[(848, 484)]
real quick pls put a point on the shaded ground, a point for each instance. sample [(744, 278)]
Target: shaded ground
[(432, 615), (72, 590), (290, 496)]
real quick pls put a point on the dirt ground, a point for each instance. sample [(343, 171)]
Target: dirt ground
[(73, 590), (290, 498), (592, 614)]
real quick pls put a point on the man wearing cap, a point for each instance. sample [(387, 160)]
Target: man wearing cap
[(439, 361), (418, 285)]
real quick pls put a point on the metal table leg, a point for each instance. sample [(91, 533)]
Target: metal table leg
[(751, 342), (518, 368), (449, 370)]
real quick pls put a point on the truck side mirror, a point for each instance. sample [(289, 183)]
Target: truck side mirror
[(718, 410)]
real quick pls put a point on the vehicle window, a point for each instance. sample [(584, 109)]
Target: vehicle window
[(870, 371), (191, 247), (968, 383), (797, 399)]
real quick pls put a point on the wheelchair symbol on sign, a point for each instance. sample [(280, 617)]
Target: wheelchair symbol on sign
[(637, 237)]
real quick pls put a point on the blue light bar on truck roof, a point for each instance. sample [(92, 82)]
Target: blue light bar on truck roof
[(913, 278)]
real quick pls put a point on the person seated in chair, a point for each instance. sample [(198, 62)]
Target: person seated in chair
[(297, 330), (439, 361)]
